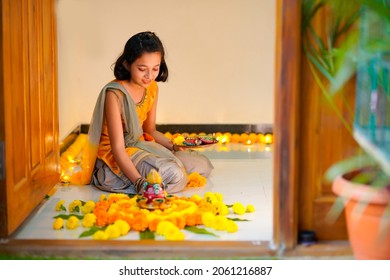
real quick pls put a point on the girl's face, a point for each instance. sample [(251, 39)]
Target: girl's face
[(145, 69)]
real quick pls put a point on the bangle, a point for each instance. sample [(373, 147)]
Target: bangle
[(173, 148), (139, 183)]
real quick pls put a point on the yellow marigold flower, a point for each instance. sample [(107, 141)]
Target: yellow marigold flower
[(72, 222), (220, 223), (218, 196), (178, 140), (210, 197), (250, 208), (231, 226), (221, 208), (89, 220), (102, 197), (112, 231), (123, 227), (238, 208), (100, 235), (176, 236), (166, 228), (208, 219), (196, 197), (58, 223), (88, 207), (74, 206), (60, 205)]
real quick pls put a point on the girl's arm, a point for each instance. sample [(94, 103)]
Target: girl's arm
[(149, 126), (112, 111)]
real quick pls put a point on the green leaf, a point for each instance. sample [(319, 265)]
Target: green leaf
[(348, 165), (90, 232), (146, 235), (65, 217), (200, 230), (239, 220)]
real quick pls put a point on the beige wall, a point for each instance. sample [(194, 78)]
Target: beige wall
[(220, 54)]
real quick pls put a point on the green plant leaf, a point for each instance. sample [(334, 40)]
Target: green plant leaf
[(90, 232), (147, 235), (239, 220), (65, 217), (199, 231), (347, 165)]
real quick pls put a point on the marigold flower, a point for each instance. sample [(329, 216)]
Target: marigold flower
[(102, 197), (218, 196), (88, 207), (112, 231), (231, 226), (221, 208), (166, 228), (58, 223), (123, 227), (196, 180), (196, 198), (72, 222), (178, 140), (100, 235), (169, 231), (220, 223), (74, 206), (250, 208), (175, 236), (208, 219), (238, 208), (89, 220), (60, 205), (210, 197)]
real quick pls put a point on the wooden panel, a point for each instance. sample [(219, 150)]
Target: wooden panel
[(286, 123), (29, 86), (35, 35), (324, 140)]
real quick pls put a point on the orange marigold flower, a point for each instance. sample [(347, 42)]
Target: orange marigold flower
[(196, 180), (154, 223), (139, 223)]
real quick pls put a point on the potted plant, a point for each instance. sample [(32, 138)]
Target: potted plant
[(356, 47)]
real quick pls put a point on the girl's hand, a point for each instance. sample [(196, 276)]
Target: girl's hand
[(176, 148)]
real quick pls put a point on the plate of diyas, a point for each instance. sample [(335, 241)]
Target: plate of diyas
[(194, 141)]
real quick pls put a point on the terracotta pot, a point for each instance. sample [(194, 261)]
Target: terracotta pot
[(368, 228)]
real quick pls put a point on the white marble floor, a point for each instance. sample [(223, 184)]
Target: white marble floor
[(241, 174)]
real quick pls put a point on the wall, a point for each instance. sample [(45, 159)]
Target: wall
[(220, 55)]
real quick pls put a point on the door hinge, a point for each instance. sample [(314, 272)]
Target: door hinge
[(2, 161)]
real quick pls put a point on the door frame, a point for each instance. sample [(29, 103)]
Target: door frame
[(285, 173)]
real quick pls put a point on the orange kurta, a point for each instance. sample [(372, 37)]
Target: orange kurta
[(143, 108)]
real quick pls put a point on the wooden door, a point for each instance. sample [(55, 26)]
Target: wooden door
[(28, 108)]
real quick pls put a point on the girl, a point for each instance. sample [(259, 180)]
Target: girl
[(123, 125)]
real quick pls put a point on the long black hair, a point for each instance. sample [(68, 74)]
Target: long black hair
[(136, 46)]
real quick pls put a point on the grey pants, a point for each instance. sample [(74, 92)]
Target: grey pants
[(173, 175)]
